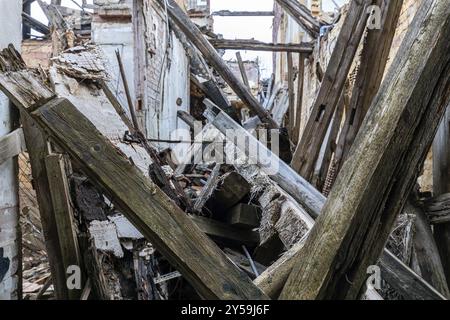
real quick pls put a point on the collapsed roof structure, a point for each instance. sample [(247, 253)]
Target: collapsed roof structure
[(155, 170)]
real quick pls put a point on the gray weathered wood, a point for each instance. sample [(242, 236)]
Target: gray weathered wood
[(255, 45), (242, 69), (330, 90), (380, 173), (427, 252), (372, 67), (11, 145), (64, 218), (145, 205)]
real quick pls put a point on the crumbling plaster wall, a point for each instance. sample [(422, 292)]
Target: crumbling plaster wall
[(10, 258)]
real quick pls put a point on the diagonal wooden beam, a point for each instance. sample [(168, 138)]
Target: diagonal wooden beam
[(330, 90), (374, 184), (191, 31), (255, 45)]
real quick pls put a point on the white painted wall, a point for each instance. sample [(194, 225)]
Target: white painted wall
[(11, 32)]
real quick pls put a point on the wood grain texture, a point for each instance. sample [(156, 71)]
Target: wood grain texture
[(146, 206), (330, 90), (375, 182), (255, 45)]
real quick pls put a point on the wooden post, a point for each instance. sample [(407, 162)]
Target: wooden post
[(331, 88), (291, 93), (441, 185), (242, 69), (37, 150), (427, 252), (272, 281), (375, 182), (299, 106), (62, 208), (210, 54)]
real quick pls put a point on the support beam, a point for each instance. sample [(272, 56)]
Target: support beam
[(228, 13), (374, 59), (255, 45), (376, 181), (242, 70), (291, 93), (11, 145), (64, 218), (330, 90), (35, 24), (299, 106), (211, 55), (427, 252), (272, 281), (441, 186), (302, 16)]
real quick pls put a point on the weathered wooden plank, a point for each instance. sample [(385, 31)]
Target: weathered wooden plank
[(210, 54), (370, 74), (331, 87), (441, 186), (145, 205), (413, 289), (242, 69), (228, 13), (62, 208), (299, 105), (35, 24), (37, 150), (291, 93), (272, 281), (375, 182), (225, 233), (11, 145), (208, 189), (255, 45), (427, 252)]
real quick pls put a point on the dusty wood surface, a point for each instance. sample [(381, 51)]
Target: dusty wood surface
[(441, 186), (330, 90), (145, 205), (255, 45), (427, 252), (11, 145), (242, 69), (373, 63), (375, 182), (62, 207)]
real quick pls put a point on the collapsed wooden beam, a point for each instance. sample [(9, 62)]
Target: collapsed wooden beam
[(273, 279), (255, 45), (145, 205), (302, 16), (228, 13), (163, 223), (330, 90), (211, 55), (375, 182), (35, 24)]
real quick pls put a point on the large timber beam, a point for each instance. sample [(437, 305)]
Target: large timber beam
[(374, 59), (330, 90), (171, 231), (210, 54), (374, 184), (273, 279), (255, 45)]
